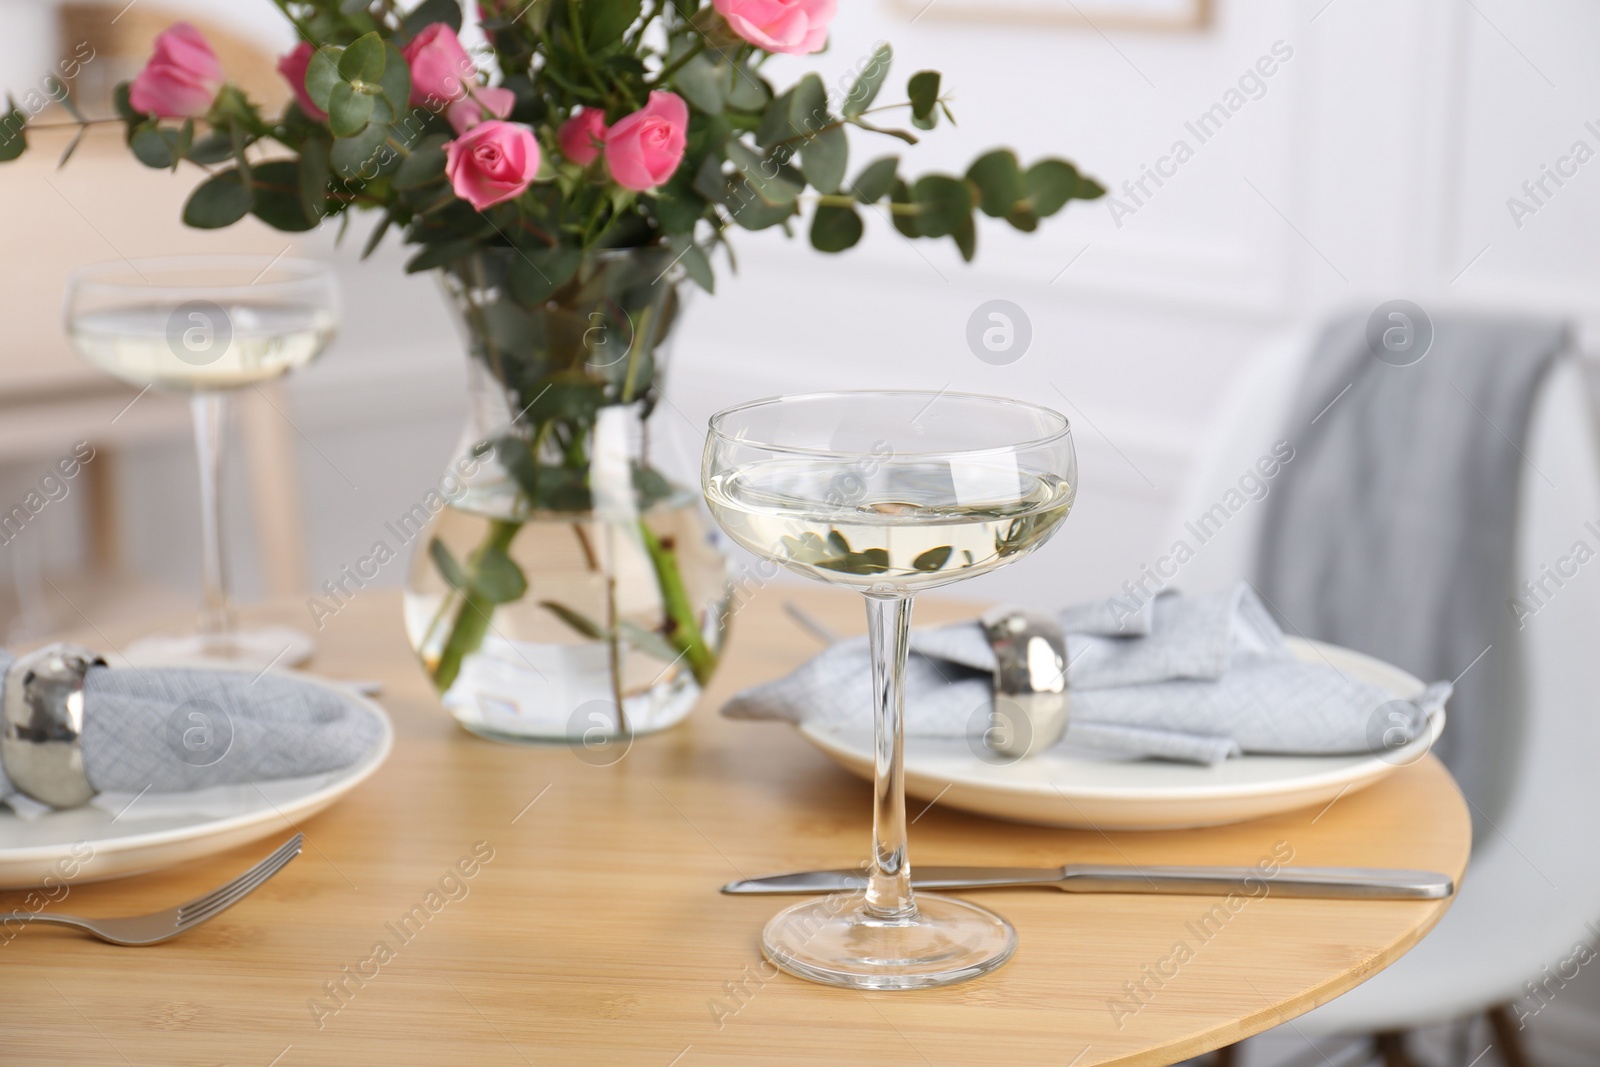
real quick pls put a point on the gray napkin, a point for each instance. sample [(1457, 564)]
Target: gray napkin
[(170, 730), (1392, 531), (1199, 679)]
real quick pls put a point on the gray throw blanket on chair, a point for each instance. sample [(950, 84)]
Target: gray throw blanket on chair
[(1393, 531)]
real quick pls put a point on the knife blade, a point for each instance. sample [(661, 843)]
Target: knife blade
[(1331, 883)]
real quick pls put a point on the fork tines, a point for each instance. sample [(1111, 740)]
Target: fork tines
[(205, 906)]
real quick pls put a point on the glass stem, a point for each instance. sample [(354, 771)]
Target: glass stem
[(216, 614), (889, 880)]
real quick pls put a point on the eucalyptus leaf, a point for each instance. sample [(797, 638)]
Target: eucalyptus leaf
[(119, 101), (577, 620), (835, 228), (966, 236), (774, 125), (363, 60), (605, 21), (647, 641), (745, 90), (696, 264), (679, 206), (180, 143), (1023, 219), (933, 559), (875, 180), (808, 108), (313, 176), (1051, 183), (377, 235), (396, 79), (536, 273), (751, 212), (430, 11), (824, 159), (496, 577), (904, 221), (944, 203), (153, 146), (650, 486), (865, 88), (773, 182), (322, 74), (447, 566), (358, 158), (438, 255), (276, 199), (13, 138), (1000, 182), (213, 148), (221, 200), (701, 83), (923, 91), (425, 164), (348, 110)]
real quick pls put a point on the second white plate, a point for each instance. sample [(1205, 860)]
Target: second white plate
[(91, 844), (1083, 789)]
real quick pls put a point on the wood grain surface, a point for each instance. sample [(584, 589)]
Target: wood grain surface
[(590, 930)]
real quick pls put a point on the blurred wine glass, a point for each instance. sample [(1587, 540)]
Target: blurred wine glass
[(203, 326)]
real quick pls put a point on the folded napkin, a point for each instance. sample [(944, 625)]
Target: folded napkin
[(1197, 679), (171, 730)]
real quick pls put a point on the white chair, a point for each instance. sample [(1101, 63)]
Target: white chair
[(1533, 885)]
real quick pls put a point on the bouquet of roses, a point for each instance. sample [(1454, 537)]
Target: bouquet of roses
[(562, 182), (609, 126)]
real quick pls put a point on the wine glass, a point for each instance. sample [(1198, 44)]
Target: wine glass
[(205, 326), (889, 493)]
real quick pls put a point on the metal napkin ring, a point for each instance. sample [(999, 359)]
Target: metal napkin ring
[(41, 747), (1031, 702)]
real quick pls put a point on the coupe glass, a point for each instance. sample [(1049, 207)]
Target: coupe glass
[(204, 326), (889, 493)]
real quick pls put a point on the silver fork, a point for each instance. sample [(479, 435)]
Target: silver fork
[(159, 926)]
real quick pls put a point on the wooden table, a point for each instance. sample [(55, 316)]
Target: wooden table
[(595, 934)]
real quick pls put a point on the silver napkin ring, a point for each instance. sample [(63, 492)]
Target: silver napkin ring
[(1031, 701), (41, 747)]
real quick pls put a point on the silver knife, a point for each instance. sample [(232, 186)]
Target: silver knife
[(1334, 883)]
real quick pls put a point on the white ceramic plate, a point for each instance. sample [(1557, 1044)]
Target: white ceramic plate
[(1087, 790), (155, 833)]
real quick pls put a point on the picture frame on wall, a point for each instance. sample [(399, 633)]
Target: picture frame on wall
[(1154, 15)]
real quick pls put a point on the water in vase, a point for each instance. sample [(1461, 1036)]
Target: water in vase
[(595, 618)]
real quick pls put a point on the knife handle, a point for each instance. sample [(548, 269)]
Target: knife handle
[(1365, 883)]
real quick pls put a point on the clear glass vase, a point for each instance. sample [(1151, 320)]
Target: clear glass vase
[(568, 586)]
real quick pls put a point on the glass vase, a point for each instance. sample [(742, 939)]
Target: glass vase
[(568, 587)]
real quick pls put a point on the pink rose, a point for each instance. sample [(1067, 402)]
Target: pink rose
[(292, 65), (441, 70), (182, 77), (798, 27), (644, 149), (492, 162), (583, 136), (481, 105)]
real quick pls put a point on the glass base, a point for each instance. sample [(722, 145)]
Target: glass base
[(253, 648), (834, 941)]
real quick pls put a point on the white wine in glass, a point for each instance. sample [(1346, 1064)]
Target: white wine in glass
[(889, 493), (202, 326)]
